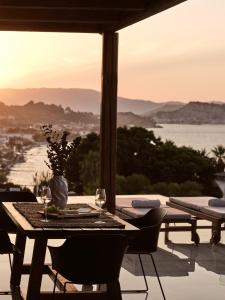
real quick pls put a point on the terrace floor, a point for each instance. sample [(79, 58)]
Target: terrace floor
[(186, 271)]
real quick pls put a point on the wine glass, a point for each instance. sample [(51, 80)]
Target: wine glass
[(46, 197), (100, 200)]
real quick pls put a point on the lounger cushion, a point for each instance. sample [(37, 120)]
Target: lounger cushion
[(176, 215), (135, 212), (191, 202), (172, 213), (126, 200), (216, 202), (145, 203), (218, 212), (123, 202)]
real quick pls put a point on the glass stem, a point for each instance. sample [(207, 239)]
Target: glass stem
[(46, 217)]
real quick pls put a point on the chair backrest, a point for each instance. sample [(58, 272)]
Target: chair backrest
[(5, 243), (146, 240), (17, 196), (90, 258)]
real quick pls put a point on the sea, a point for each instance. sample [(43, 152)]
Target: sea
[(198, 137)]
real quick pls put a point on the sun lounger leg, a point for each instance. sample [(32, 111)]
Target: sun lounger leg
[(194, 235), (216, 234), (167, 232)]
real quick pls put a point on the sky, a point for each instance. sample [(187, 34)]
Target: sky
[(177, 55)]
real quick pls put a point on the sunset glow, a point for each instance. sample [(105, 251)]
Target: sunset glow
[(176, 55)]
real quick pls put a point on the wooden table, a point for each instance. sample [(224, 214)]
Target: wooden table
[(37, 267)]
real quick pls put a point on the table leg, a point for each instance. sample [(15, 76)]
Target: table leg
[(18, 260), (36, 271)]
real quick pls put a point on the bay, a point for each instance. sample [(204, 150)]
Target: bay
[(22, 173), (198, 137)]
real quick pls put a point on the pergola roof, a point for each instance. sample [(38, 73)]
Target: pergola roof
[(90, 16)]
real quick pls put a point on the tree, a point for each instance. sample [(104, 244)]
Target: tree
[(144, 164), (89, 172), (219, 154), (78, 167)]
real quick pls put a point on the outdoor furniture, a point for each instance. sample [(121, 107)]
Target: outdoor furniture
[(146, 240), (6, 225), (198, 207), (28, 222), (6, 247), (173, 217), (77, 264), (13, 196), (17, 196)]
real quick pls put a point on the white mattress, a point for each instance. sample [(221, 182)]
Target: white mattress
[(191, 202), (218, 212), (200, 204), (172, 213)]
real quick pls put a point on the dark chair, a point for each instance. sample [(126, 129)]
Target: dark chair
[(6, 247), (8, 196), (90, 259), (17, 196), (146, 240)]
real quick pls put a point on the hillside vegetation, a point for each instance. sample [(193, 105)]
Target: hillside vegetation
[(194, 113)]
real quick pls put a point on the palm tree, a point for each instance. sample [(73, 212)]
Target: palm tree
[(219, 154)]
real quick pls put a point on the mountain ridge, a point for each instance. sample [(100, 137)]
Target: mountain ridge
[(194, 113), (40, 112), (78, 99)]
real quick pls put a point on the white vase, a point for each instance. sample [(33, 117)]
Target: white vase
[(59, 191)]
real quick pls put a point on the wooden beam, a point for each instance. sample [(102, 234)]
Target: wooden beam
[(154, 7), (124, 5), (108, 117), (50, 27), (45, 15)]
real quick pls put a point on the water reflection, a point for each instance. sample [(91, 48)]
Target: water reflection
[(211, 258), (168, 264), (181, 261)]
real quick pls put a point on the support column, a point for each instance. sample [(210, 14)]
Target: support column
[(108, 122)]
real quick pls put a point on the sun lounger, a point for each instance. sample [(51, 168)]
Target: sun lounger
[(125, 210), (199, 207)]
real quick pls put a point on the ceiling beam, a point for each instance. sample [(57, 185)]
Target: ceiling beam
[(43, 15), (124, 5), (50, 27), (155, 7)]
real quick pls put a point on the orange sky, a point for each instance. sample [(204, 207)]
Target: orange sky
[(176, 55)]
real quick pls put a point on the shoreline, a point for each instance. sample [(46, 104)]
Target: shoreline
[(22, 173)]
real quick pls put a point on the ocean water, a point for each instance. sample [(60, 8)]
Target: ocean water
[(22, 173), (197, 136)]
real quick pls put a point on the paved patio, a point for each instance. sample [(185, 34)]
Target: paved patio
[(187, 271)]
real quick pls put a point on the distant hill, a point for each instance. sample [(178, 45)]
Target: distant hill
[(43, 113), (165, 107), (124, 119), (40, 113), (84, 100), (194, 113)]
